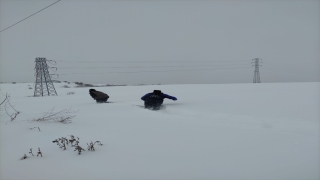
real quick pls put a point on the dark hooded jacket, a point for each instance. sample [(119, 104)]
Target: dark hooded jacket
[(156, 97), (97, 95)]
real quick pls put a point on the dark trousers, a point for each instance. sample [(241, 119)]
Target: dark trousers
[(103, 100), (152, 105)]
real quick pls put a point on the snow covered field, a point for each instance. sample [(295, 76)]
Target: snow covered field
[(222, 131)]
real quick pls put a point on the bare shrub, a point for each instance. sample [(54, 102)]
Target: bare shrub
[(91, 145), (31, 152), (79, 83), (39, 152), (61, 142), (73, 142), (79, 149), (4, 99), (70, 93), (36, 127), (63, 116), (24, 157), (8, 107), (88, 85)]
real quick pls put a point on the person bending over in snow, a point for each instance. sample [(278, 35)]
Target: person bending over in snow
[(100, 97), (155, 99)]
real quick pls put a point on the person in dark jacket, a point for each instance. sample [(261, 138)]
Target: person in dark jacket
[(100, 97), (155, 99)]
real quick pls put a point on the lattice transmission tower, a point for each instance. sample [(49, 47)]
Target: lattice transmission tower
[(43, 85), (256, 76)]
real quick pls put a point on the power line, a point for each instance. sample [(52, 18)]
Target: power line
[(288, 67), (29, 16), (156, 71), (122, 67), (145, 61), (290, 70)]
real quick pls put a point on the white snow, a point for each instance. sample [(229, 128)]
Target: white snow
[(226, 131)]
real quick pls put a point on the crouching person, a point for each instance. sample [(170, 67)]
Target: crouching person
[(155, 99), (100, 97)]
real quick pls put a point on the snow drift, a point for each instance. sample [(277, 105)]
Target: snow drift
[(225, 131)]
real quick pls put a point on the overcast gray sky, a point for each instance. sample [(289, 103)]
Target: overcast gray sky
[(162, 41)]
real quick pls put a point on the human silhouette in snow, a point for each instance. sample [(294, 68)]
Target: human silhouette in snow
[(100, 97), (155, 99)]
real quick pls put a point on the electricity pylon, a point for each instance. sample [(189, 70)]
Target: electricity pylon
[(43, 85), (256, 76)]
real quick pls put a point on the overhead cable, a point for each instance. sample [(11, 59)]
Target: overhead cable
[(123, 67), (156, 71), (29, 16), (147, 61)]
